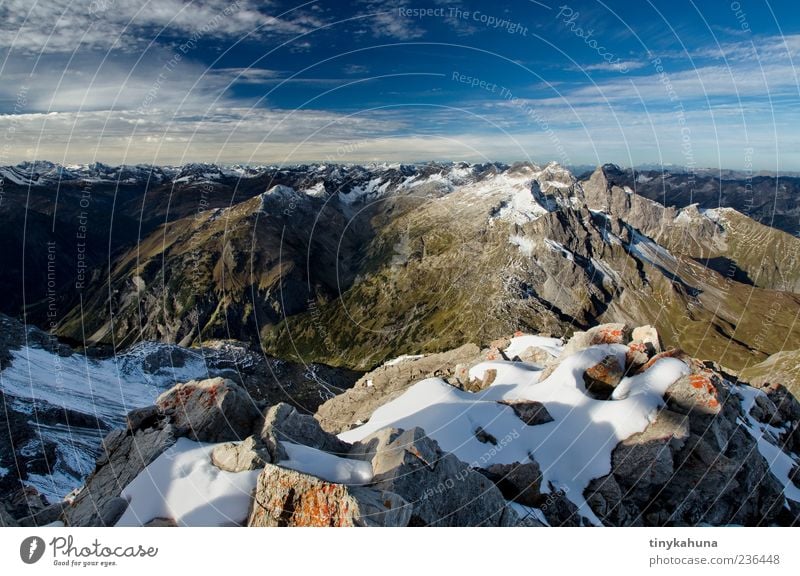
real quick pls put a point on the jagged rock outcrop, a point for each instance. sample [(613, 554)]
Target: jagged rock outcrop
[(442, 490), (288, 498)]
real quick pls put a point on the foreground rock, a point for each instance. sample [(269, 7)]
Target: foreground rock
[(442, 490), (213, 410), (289, 498), (386, 383), (124, 454), (283, 423)]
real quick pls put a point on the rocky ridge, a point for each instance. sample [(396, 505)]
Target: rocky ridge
[(711, 450)]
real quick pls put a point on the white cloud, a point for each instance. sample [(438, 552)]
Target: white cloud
[(131, 25)]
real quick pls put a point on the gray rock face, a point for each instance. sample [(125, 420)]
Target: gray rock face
[(213, 410), (694, 464), (386, 383), (518, 482), (251, 454), (283, 422), (6, 520), (442, 490), (123, 455), (289, 498), (646, 459), (44, 516)]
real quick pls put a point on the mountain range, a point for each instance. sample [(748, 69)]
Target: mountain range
[(292, 282)]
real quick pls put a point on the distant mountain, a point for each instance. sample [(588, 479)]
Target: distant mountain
[(769, 199), (352, 265)]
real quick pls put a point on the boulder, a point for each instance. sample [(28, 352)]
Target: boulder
[(601, 379), (534, 355), (442, 490), (213, 410), (693, 393), (250, 454), (288, 498), (478, 384), (517, 482), (531, 412), (283, 422), (671, 353), (647, 336), (142, 418), (616, 333), (123, 454)]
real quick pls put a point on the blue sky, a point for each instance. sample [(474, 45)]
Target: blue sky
[(703, 83)]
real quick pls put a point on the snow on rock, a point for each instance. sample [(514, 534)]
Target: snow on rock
[(103, 388), (519, 344), (766, 436), (182, 485), (403, 358), (558, 247), (326, 466), (571, 451)]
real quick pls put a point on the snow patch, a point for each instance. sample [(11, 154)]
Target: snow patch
[(403, 358), (767, 438), (326, 466), (558, 247), (183, 485), (571, 451)]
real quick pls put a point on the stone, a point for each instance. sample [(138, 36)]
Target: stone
[(123, 455), (161, 523), (251, 454), (288, 498), (648, 336), (461, 375), (534, 355), (344, 411), (442, 490), (484, 437), (142, 418), (765, 411), (602, 378), (283, 423), (517, 482), (609, 503), (693, 393), (478, 384), (671, 353), (615, 333), (532, 412), (212, 410), (367, 448), (559, 510), (25, 501)]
